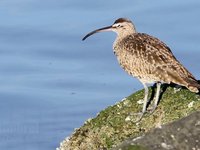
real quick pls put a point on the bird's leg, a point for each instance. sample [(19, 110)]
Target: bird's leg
[(146, 91), (157, 96)]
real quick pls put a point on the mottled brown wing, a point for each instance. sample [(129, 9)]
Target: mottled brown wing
[(158, 52), (158, 57)]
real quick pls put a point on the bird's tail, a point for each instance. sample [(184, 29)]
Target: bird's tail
[(193, 85)]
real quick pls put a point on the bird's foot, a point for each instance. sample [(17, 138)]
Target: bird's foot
[(152, 109), (139, 116)]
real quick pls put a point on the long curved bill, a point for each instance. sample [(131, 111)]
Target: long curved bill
[(109, 28)]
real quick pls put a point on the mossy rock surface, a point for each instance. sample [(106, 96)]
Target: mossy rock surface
[(117, 123)]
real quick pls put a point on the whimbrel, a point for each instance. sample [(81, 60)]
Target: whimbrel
[(148, 59)]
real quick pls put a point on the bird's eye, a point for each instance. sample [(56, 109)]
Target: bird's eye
[(119, 26)]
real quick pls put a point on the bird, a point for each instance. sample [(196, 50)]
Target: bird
[(148, 59)]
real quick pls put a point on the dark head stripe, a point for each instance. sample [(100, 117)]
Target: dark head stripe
[(120, 20)]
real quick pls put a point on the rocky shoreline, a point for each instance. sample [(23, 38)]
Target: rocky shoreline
[(114, 125)]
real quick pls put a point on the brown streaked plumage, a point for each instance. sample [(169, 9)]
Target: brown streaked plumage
[(148, 59)]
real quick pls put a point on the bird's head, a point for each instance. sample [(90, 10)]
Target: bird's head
[(121, 26)]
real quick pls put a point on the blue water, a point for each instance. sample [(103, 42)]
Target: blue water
[(51, 81)]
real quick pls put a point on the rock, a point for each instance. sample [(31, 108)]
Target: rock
[(116, 123), (183, 134)]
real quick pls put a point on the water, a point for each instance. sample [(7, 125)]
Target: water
[(51, 81)]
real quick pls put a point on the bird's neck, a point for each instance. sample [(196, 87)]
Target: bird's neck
[(117, 45), (120, 37)]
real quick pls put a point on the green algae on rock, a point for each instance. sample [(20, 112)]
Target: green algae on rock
[(116, 123)]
